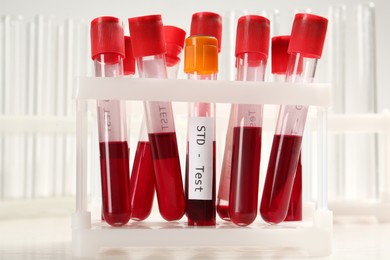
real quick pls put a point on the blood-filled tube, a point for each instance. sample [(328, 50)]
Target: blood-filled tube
[(201, 63), (280, 58), (107, 47), (305, 48), (149, 50), (224, 180), (252, 44), (142, 174), (210, 24), (142, 183)]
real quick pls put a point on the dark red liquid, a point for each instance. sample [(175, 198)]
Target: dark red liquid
[(244, 185), (223, 210), (167, 172), (142, 182), (280, 177), (294, 212), (114, 164), (224, 181), (201, 212)]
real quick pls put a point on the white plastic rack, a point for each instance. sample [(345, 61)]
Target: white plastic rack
[(312, 236)]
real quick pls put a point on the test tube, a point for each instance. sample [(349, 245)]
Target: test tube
[(224, 181), (365, 157), (252, 44), (210, 24), (305, 48), (337, 76), (148, 45), (107, 47), (174, 43), (142, 174), (280, 58), (142, 183), (201, 63)]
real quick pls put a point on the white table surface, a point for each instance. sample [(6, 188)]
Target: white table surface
[(50, 238)]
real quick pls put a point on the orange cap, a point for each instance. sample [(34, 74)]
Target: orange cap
[(201, 55)]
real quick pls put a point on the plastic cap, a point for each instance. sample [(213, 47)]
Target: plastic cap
[(147, 36), (201, 55), (279, 54), (308, 35), (129, 60), (174, 43), (107, 36), (253, 32), (207, 24)]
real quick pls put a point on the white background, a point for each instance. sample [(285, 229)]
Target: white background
[(178, 12)]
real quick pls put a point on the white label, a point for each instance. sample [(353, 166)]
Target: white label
[(200, 158), (160, 117), (110, 113)]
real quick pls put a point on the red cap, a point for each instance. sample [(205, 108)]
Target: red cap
[(279, 54), (308, 35), (129, 60), (174, 43), (147, 36), (253, 37), (107, 36), (207, 24)]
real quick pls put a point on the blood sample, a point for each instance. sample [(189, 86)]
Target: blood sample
[(252, 44), (305, 48), (201, 63), (142, 181), (142, 174), (280, 58), (294, 212), (107, 49), (210, 24), (224, 181), (149, 50)]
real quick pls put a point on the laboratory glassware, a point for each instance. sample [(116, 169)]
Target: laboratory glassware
[(148, 43), (201, 63), (280, 58), (252, 45), (107, 41), (305, 48)]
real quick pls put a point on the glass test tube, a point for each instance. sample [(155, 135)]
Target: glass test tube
[(210, 24), (252, 46), (336, 68), (280, 58), (149, 50), (107, 52), (142, 174), (142, 183), (201, 63), (305, 48), (142, 180), (224, 181), (364, 164)]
